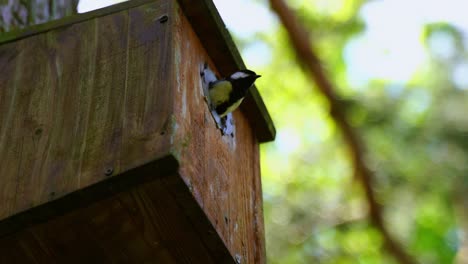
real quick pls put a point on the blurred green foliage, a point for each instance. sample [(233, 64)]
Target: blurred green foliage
[(415, 132)]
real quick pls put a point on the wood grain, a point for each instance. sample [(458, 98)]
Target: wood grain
[(95, 120), (77, 105), (141, 225), (213, 34), (222, 171), (216, 39), (148, 97)]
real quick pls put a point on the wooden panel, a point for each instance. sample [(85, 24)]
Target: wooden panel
[(78, 105), (214, 36), (216, 39), (100, 98), (144, 224), (148, 97), (222, 171)]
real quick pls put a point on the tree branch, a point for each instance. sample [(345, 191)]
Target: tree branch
[(300, 40)]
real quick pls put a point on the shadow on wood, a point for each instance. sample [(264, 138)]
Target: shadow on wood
[(108, 150)]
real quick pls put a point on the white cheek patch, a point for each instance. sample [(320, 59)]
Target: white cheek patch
[(239, 75)]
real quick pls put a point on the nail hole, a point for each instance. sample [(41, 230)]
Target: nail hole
[(226, 220), (163, 19), (109, 171), (162, 133), (38, 131)]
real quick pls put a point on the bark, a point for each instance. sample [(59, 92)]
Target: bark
[(17, 14)]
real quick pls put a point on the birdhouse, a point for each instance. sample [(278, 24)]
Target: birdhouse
[(109, 152)]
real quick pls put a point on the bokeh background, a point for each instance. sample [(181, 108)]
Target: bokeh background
[(400, 69)]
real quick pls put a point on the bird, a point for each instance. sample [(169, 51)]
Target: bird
[(228, 93)]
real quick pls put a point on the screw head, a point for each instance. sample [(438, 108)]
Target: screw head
[(109, 171)]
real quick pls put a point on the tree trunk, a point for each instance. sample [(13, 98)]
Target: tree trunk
[(16, 14)]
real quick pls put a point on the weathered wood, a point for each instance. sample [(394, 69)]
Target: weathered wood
[(144, 224), (216, 39), (84, 197), (78, 105), (222, 171), (149, 97), (108, 146), (211, 31)]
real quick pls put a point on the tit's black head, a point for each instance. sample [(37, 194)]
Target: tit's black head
[(243, 79)]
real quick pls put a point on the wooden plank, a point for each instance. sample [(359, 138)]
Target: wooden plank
[(34, 133), (211, 31), (167, 165), (81, 104), (222, 171), (148, 97), (216, 39), (144, 224), (100, 118)]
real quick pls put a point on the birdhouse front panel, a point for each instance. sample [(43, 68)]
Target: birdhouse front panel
[(82, 103), (221, 170)]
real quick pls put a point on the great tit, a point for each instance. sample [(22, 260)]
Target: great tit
[(227, 94)]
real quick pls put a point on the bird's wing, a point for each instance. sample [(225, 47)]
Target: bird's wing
[(219, 92)]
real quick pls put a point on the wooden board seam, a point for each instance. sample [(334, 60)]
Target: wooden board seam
[(161, 167)]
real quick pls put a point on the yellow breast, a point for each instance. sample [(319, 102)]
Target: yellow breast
[(219, 93), (232, 108)]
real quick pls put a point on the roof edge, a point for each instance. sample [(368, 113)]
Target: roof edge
[(217, 40)]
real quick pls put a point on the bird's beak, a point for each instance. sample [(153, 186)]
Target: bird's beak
[(257, 76)]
